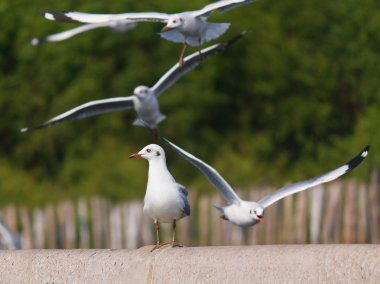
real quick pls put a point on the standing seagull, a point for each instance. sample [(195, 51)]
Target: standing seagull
[(117, 26), (165, 200), (188, 28), (144, 99), (248, 213)]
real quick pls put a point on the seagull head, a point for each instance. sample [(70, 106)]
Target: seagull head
[(172, 23), (256, 211), (150, 152), (141, 92)]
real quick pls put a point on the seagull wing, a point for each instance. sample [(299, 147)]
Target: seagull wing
[(222, 6), (68, 33), (300, 186), (190, 62), (87, 110), (211, 174), (78, 17), (186, 207)]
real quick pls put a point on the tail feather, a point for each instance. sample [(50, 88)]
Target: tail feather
[(173, 35), (215, 30), (221, 210)]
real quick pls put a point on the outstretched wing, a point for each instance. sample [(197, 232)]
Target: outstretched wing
[(211, 174), (190, 62), (300, 186), (78, 17), (117, 25), (87, 110), (68, 33), (222, 6)]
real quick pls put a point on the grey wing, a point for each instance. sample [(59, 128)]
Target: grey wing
[(190, 62), (184, 194), (87, 110), (211, 174), (300, 186), (78, 17), (222, 6)]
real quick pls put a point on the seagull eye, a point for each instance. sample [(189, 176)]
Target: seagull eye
[(148, 150), (255, 212)]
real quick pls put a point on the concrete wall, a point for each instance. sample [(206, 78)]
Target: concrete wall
[(251, 264)]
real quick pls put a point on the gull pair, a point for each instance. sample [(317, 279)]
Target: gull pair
[(144, 100), (188, 28)]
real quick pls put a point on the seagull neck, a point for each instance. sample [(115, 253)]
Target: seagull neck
[(157, 164)]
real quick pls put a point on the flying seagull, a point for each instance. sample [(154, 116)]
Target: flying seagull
[(144, 99), (188, 28), (117, 26), (165, 200), (248, 213)]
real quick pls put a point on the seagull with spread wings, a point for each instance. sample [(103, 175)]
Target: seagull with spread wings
[(188, 28), (248, 213), (117, 26), (144, 100)]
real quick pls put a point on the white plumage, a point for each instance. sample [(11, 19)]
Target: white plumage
[(165, 200), (144, 99), (248, 213), (188, 28)]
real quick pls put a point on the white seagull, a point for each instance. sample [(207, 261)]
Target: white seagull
[(144, 100), (248, 213), (188, 28), (116, 26), (165, 200)]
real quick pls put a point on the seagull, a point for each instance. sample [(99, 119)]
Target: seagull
[(188, 28), (117, 26), (248, 213), (144, 100), (165, 200)]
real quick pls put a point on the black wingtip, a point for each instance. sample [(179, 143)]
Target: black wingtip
[(359, 158), (38, 126), (27, 129), (58, 16), (233, 39), (162, 138)]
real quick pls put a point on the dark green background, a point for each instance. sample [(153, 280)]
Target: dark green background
[(297, 96)]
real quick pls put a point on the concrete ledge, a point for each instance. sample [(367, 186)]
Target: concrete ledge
[(248, 264)]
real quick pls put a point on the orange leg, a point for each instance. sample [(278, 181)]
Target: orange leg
[(154, 134), (200, 49), (174, 243), (158, 244), (182, 54)]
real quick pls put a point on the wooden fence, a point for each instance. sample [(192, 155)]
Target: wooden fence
[(340, 212)]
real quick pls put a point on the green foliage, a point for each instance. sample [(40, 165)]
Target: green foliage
[(298, 95)]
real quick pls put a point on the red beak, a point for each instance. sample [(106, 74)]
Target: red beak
[(135, 155), (165, 29), (261, 218)]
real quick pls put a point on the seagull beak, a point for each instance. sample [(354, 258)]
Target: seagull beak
[(165, 29), (135, 155), (261, 218)]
